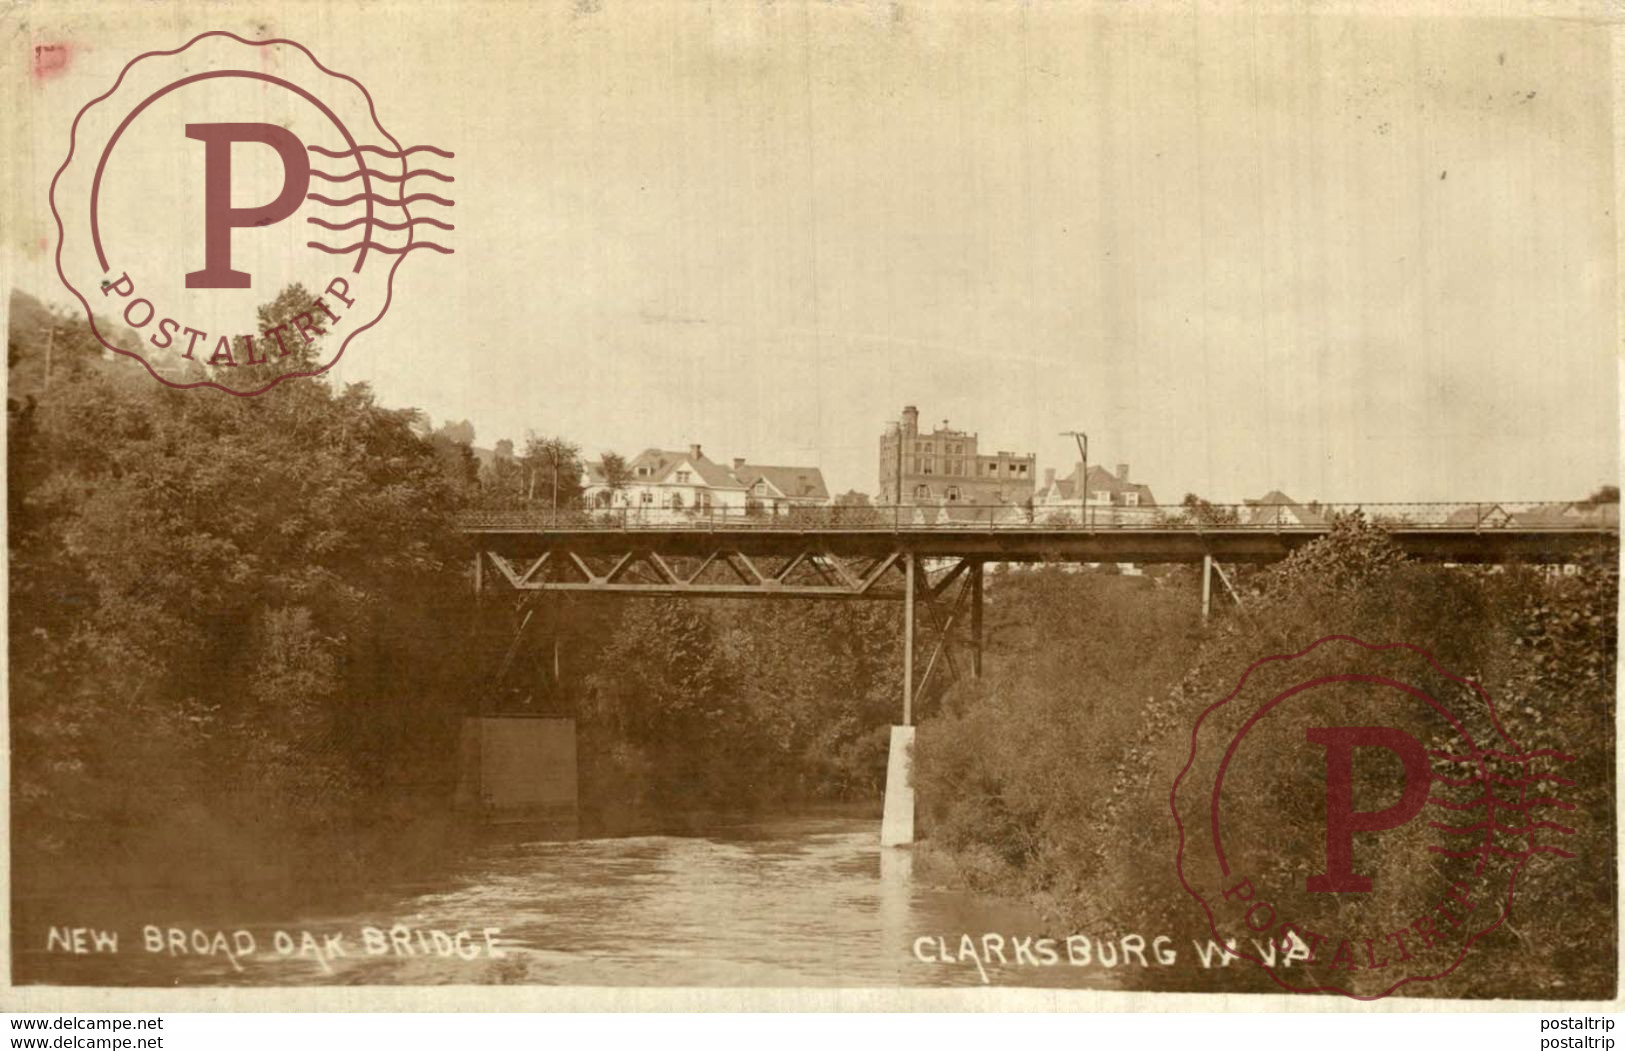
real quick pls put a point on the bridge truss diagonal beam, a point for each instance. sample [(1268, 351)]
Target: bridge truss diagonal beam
[(811, 570)]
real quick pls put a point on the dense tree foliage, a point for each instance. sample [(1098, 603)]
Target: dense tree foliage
[(1054, 774), (738, 705), (217, 606)]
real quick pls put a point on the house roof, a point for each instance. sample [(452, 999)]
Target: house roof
[(1100, 480), (1478, 514), (664, 462), (1547, 514), (801, 483), (1059, 488), (1269, 508), (1568, 514)]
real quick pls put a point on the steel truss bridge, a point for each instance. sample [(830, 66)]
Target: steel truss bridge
[(851, 552), (934, 557)]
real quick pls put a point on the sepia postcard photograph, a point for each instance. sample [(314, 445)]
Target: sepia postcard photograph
[(838, 504)]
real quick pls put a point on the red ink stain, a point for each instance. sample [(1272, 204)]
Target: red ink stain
[(51, 60)]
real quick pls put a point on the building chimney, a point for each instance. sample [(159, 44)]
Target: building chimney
[(911, 420), (1122, 472), (694, 452), (739, 463)]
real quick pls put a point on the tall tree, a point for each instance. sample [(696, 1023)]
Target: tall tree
[(552, 471), (1606, 494), (617, 472)]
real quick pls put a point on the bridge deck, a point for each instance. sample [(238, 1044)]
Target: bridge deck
[(1427, 531), (1545, 545)]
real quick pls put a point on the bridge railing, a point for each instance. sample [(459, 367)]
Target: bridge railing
[(1486, 516)]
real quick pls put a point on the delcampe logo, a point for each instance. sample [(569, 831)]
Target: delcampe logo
[(210, 179)]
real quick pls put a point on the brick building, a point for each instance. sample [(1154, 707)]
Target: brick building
[(944, 466)]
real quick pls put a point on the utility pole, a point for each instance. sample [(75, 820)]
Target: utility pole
[(1083, 478), (50, 342)]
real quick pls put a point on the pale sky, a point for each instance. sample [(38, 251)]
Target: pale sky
[(1349, 257)]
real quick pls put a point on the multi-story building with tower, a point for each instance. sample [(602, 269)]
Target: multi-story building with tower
[(944, 466)]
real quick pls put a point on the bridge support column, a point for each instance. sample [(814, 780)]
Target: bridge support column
[(1207, 585), (558, 628), (976, 620), (911, 572), (897, 819)]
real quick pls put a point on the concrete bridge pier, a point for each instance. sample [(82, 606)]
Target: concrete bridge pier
[(897, 819)]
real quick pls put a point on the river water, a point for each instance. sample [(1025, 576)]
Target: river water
[(809, 901)]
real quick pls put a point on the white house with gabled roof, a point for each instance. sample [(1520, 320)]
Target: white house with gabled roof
[(667, 480)]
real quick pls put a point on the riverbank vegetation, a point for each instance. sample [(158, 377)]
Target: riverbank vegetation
[(1052, 774), (217, 681)]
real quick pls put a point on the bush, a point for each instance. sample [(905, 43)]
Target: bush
[(1054, 775)]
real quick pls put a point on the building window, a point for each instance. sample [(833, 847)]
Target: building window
[(643, 472), (992, 468), (1101, 496), (647, 497), (953, 492), (925, 466), (1023, 469), (922, 492), (1131, 499), (761, 486), (676, 501), (682, 477)]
